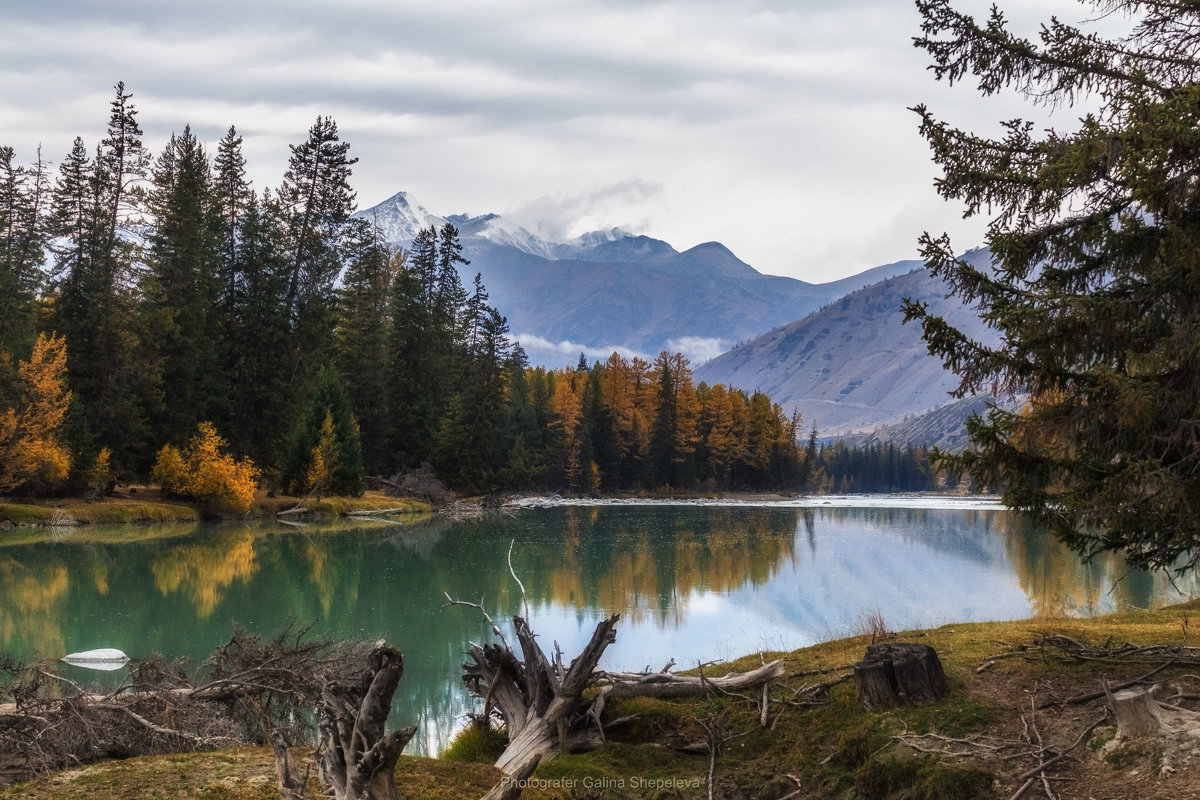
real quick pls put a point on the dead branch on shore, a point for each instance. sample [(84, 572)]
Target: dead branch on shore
[(665, 684), (1064, 647), (250, 686), (46, 728)]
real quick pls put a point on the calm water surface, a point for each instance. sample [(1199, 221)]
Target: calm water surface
[(693, 583)]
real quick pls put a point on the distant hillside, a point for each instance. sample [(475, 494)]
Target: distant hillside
[(611, 290), (942, 427), (853, 365)]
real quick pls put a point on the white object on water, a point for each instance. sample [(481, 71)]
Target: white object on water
[(105, 658)]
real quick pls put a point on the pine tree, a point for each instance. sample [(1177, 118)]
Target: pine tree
[(24, 196), (317, 200), (1095, 292)]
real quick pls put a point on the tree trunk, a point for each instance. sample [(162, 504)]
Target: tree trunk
[(899, 672), (1137, 712), (664, 684)]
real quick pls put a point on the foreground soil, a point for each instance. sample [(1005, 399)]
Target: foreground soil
[(1019, 696)]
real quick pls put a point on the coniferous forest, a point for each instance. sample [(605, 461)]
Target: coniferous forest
[(163, 319)]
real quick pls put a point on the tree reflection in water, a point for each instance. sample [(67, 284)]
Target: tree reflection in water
[(691, 583)]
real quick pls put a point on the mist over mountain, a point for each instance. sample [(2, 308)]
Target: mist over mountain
[(615, 291)]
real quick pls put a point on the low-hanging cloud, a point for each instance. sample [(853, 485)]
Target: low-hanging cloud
[(565, 353), (698, 349), (558, 218)]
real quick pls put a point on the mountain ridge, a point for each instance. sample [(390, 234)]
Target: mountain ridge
[(612, 290)]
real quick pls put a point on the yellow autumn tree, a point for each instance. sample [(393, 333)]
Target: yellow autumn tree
[(32, 451), (323, 459), (205, 472)]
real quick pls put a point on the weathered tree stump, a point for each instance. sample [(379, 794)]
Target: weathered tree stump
[(538, 699), (1137, 712), (895, 673), (356, 760)]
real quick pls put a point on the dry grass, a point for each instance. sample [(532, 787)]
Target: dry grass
[(147, 506)]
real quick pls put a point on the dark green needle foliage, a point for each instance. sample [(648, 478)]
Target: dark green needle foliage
[(1095, 285)]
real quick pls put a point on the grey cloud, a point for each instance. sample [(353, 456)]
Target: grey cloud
[(760, 123)]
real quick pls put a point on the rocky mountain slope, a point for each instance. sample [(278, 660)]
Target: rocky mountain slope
[(853, 365)]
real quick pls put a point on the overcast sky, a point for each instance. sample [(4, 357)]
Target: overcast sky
[(777, 127)]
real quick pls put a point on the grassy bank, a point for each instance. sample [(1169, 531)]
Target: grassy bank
[(1005, 710), (148, 506)]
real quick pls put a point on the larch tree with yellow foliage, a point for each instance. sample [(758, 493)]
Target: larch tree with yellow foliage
[(33, 455)]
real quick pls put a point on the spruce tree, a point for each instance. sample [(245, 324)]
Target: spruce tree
[(181, 337), (24, 197), (414, 378), (256, 335), (232, 199), (1095, 289), (363, 338), (96, 286), (468, 444)]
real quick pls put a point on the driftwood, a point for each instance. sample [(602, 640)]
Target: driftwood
[(664, 684), (895, 673), (378, 512)]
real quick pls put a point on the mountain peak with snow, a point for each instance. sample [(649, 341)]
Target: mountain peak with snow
[(401, 217)]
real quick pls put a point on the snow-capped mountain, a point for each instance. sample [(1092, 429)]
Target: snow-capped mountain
[(400, 217), (612, 290)]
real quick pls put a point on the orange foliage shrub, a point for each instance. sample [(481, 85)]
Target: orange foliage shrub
[(206, 473)]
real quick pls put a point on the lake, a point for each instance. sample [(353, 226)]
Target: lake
[(693, 582)]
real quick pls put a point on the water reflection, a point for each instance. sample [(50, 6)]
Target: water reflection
[(691, 583)]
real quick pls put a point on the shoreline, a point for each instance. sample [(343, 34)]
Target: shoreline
[(898, 500)]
